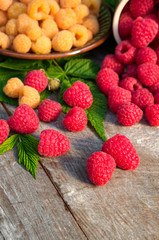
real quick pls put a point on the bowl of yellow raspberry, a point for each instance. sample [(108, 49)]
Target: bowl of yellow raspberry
[(45, 29)]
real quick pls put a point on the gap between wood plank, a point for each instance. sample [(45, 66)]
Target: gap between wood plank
[(67, 207)]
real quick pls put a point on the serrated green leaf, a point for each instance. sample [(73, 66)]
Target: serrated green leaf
[(82, 68), (64, 86), (55, 72), (8, 144), (21, 64), (28, 154)]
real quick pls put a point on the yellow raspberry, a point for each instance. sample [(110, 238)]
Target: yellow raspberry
[(29, 96), (23, 22), (42, 45), (90, 35), (16, 9), (4, 41), (54, 7), (11, 27), (81, 11), (12, 88), (5, 4), (80, 35), (33, 32), (26, 2), (63, 41), (65, 18), (93, 5), (22, 43), (3, 29), (38, 9), (69, 3), (3, 18), (91, 23), (49, 28)]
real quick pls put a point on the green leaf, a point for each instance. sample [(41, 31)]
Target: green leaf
[(55, 72), (21, 64), (44, 95), (64, 86), (82, 68), (8, 144), (96, 113), (28, 154)]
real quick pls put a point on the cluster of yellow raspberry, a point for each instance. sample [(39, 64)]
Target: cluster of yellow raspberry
[(42, 26), (26, 94)]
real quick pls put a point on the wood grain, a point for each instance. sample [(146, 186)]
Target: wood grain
[(31, 209)]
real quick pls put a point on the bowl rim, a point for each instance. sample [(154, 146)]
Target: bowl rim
[(115, 23)]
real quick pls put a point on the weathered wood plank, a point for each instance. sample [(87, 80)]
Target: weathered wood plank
[(127, 206), (31, 209)]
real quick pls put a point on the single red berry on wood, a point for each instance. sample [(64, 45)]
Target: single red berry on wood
[(142, 98), (148, 73), (152, 114), (123, 152), (100, 167)]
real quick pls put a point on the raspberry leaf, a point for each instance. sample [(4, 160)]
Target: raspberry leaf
[(82, 68), (8, 144), (27, 153), (64, 86)]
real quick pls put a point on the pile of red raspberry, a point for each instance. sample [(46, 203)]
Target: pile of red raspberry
[(130, 77)]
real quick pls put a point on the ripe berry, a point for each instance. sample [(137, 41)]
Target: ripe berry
[(36, 79), (152, 114), (125, 52), (80, 34), (100, 167), (75, 120), (12, 88), (146, 54), (53, 143), (107, 79), (78, 95), (29, 96), (123, 152), (91, 23), (130, 84), (4, 41), (62, 41), (110, 61), (4, 130), (142, 98), (148, 73), (4, 5), (131, 71), (49, 110), (42, 45), (125, 25), (143, 32), (22, 43), (24, 120), (129, 114), (65, 18), (154, 88), (156, 97), (82, 11), (118, 96), (141, 7)]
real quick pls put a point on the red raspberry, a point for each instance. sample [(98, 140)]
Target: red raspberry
[(126, 7), (78, 95), (130, 84), (157, 52), (142, 98), (156, 97), (148, 73), (110, 61), (4, 130), (125, 25), (118, 96), (75, 120), (49, 110), (107, 79), (36, 79), (143, 32), (153, 17), (154, 88), (53, 143), (122, 150), (100, 167), (24, 120), (141, 7), (152, 114), (131, 71), (129, 114), (145, 55), (125, 52)]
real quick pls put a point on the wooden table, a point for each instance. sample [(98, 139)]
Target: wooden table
[(63, 204)]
